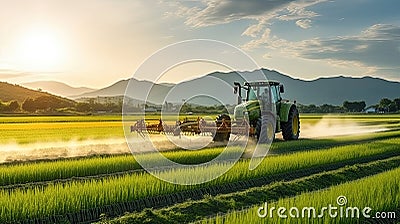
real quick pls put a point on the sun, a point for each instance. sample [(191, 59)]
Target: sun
[(39, 49)]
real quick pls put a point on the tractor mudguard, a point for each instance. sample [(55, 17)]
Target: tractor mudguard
[(284, 111)]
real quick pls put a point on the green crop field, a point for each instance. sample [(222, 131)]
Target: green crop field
[(355, 155), (24, 130)]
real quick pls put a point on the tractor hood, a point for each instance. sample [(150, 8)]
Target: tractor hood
[(251, 107)]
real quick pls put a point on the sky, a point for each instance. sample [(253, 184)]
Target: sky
[(95, 43)]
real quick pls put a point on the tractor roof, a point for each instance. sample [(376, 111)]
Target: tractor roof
[(262, 83)]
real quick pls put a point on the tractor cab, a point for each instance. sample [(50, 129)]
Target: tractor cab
[(259, 90)]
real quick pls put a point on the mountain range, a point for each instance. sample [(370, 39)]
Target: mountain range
[(332, 90)]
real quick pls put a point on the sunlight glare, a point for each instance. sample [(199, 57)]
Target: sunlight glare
[(40, 50)]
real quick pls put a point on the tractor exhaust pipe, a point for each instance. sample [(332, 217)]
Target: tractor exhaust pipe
[(237, 89)]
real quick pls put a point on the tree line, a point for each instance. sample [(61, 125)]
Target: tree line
[(45, 104), (37, 105), (9, 107), (385, 105)]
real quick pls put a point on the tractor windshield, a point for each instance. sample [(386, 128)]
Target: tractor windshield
[(252, 94), (258, 92)]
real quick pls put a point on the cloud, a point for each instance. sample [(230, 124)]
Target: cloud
[(304, 23), (376, 49), (296, 12), (8, 74), (264, 39), (224, 11), (376, 46), (13, 73), (255, 29), (214, 12)]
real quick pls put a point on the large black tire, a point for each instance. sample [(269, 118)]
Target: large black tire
[(265, 130), (291, 128), (222, 136)]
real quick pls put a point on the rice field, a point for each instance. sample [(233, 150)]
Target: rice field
[(113, 188)]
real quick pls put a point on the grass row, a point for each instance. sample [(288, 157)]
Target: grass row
[(382, 194), (73, 196), (191, 211), (63, 169)]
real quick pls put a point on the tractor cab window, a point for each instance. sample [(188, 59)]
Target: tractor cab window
[(252, 93), (259, 93), (275, 94)]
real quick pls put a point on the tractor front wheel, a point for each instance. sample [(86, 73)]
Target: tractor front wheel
[(291, 128), (265, 129)]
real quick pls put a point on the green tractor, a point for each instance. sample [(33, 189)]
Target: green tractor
[(263, 111)]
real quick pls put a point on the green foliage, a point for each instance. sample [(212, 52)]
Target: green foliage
[(29, 105), (12, 106), (325, 108), (356, 106), (68, 168), (387, 105), (45, 103), (96, 107), (215, 109)]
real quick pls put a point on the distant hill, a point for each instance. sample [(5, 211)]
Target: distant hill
[(9, 92), (334, 90), (118, 89), (57, 88)]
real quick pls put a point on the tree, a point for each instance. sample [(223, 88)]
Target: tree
[(361, 106), (397, 102), (13, 106), (384, 104), (29, 105), (2, 106), (83, 107), (356, 106), (392, 107)]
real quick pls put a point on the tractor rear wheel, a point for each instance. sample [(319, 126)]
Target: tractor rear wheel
[(291, 128)]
